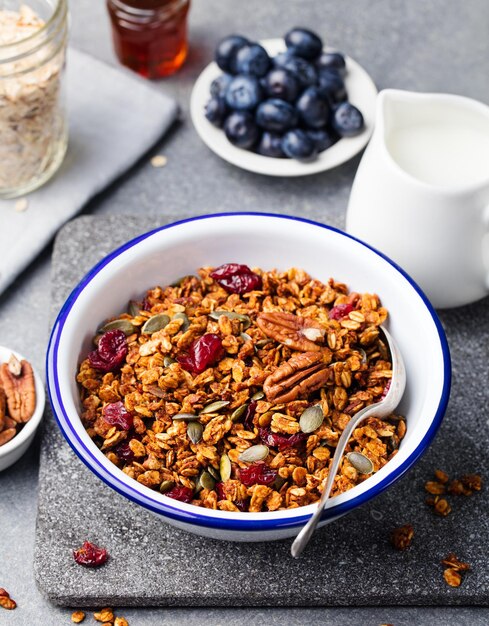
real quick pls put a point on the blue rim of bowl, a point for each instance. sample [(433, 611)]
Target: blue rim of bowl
[(196, 517)]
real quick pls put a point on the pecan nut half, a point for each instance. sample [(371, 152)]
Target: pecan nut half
[(20, 392), (6, 435), (299, 333), (298, 377)]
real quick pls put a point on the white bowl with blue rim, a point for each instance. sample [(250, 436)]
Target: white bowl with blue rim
[(266, 241)]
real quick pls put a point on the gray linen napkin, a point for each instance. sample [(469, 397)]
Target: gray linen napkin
[(114, 118)]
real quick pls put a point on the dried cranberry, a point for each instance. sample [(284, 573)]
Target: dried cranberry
[(115, 414), (340, 311), (202, 353), (220, 491), (124, 452), (257, 474), (179, 492), (241, 504), (250, 414), (111, 351), (90, 555), (146, 304), (236, 278), (282, 442), (386, 390)]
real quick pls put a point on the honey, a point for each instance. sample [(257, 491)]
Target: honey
[(150, 36)]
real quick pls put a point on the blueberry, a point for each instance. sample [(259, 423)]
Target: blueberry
[(241, 130), (220, 84), (347, 120), (276, 115), (298, 145), (280, 59), (303, 71), (270, 145), (253, 60), (313, 108), (280, 83), (322, 139), (332, 86), (226, 52), (303, 43), (243, 93), (332, 61), (216, 110)]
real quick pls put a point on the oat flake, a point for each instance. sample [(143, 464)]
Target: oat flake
[(159, 161)]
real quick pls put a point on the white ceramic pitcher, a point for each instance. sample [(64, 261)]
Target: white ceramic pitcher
[(421, 193)]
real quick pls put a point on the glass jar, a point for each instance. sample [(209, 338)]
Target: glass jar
[(33, 128), (150, 36)]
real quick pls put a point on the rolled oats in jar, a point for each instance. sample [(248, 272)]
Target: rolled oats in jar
[(33, 128)]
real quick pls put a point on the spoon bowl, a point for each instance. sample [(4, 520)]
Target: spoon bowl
[(380, 409)]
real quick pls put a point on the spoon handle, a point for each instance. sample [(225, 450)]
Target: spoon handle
[(302, 539)]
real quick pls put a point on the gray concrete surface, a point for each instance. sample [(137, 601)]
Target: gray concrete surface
[(435, 45)]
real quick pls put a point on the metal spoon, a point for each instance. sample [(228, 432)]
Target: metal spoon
[(380, 409)]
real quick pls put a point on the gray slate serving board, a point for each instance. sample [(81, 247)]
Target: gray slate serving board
[(350, 561)]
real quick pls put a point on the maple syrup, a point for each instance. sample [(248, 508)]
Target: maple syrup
[(150, 36)]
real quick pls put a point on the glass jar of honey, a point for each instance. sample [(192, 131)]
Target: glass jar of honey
[(150, 36)]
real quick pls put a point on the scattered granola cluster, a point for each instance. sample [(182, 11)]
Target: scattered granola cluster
[(17, 397), (465, 486), (230, 389), (105, 616), (402, 537), (6, 601), (453, 568)]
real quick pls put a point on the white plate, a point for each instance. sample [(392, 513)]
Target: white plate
[(361, 92)]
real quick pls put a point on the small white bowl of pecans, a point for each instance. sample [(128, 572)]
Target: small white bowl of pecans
[(22, 401)]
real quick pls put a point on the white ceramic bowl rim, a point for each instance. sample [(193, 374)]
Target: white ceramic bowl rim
[(192, 514), (30, 427)]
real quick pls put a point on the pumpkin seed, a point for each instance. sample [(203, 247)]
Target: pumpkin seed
[(207, 481), (166, 485), (214, 407), (225, 467), (255, 453), (156, 391), (259, 395), (124, 325), (167, 361), (179, 281), (215, 315), (194, 431), (214, 473), (360, 462), (311, 419), (155, 323), (133, 308), (187, 417), (279, 482), (363, 355), (239, 412), (245, 337), (186, 322)]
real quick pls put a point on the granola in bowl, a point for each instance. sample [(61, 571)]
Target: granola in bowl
[(230, 389)]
